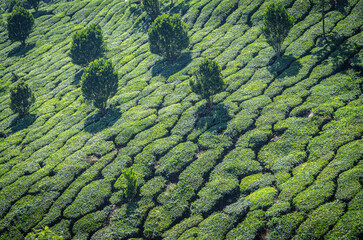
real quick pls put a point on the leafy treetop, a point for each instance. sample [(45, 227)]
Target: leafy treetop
[(87, 45), (168, 36), (152, 7), (277, 24), (99, 82), (21, 98), (208, 80), (20, 23)]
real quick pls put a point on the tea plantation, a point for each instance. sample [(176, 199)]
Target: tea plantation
[(280, 156)]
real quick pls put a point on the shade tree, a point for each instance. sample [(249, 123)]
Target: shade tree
[(207, 80), (21, 98), (20, 23), (87, 45), (99, 82), (168, 36), (276, 26)]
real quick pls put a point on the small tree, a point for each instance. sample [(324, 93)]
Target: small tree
[(87, 45), (277, 24), (20, 23), (99, 82), (34, 4), (152, 7), (131, 183), (21, 98), (168, 36), (208, 80)]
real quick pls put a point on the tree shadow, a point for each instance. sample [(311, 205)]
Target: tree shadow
[(340, 5), (41, 13), (218, 116), (179, 7), (77, 77), (167, 69), (21, 50), (19, 124), (96, 122), (285, 66)]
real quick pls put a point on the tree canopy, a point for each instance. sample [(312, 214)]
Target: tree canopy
[(277, 24), (208, 80), (20, 23), (168, 36), (21, 98), (87, 45), (152, 7), (99, 82)]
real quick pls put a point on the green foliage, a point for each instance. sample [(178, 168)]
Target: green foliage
[(87, 45), (34, 4), (168, 36), (282, 228), (21, 98), (262, 198), (20, 24), (99, 82), (208, 80), (277, 24), (130, 187), (320, 221), (250, 227), (43, 234), (152, 7)]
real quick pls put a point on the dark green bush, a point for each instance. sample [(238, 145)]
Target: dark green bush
[(168, 36), (20, 23), (21, 99), (99, 82), (87, 45)]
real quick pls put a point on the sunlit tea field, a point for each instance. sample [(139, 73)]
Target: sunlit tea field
[(280, 156)]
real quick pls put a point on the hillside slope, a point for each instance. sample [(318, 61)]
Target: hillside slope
[(279, 157)]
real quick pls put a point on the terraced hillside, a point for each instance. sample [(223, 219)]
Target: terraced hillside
[(279, 157)]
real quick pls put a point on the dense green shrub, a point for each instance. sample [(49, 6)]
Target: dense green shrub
[(87, 45), (152, 7), (99, 82), (208, 80), (277, 24), (20, 23), (168, 36), (21, 99)]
